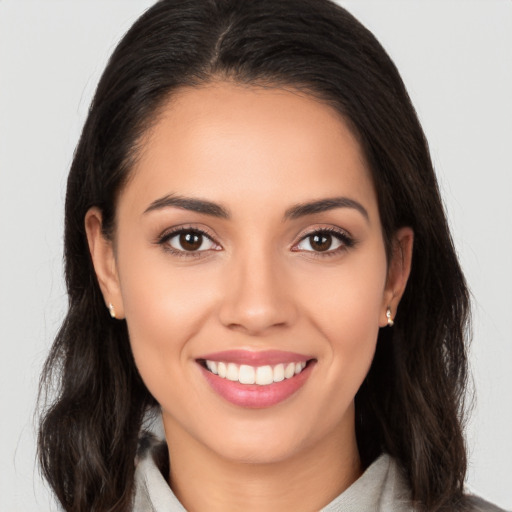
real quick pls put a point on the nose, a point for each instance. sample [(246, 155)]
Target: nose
[(258, 297)]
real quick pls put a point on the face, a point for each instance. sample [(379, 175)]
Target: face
[(249, 264)]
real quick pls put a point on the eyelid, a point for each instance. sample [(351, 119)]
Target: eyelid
[(169, 233), (341, 234)]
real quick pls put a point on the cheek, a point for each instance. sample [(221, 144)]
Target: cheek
[(349, 296), (165, 306), (346, 306)]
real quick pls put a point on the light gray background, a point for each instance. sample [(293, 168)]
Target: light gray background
[(456, 60)]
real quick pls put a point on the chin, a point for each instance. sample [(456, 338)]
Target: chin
[(270, 441), (253, 452)]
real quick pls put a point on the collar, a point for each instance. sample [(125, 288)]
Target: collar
[(381, 487)]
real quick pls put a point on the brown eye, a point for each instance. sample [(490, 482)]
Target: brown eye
[(190, 241), (320, 242), (324, 241)]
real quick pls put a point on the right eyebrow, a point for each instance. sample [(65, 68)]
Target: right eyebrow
[(323, 205), (189, 203)]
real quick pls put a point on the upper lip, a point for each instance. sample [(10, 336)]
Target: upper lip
[(255, 358)]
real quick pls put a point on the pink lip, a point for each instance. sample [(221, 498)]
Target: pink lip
[(256, 358), (255, 396)]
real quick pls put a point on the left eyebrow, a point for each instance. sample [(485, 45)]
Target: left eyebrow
[(323, 205), (189, 203)]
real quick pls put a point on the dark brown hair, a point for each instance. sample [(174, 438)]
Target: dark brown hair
[(411, 403)]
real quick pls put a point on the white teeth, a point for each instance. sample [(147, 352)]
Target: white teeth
[(247, 374), (212, 366), (279, 373), (261, 375), (289, 372), (232, 372), (222, 370), (264, 375)]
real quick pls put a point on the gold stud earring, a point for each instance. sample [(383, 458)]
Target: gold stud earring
[(390, 319), (111, 310)]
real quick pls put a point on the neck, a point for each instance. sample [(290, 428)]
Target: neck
[(202, 480)]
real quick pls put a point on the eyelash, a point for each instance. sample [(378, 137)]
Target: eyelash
[(347, 242), (164, 239)]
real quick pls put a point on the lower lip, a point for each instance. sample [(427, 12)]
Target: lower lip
[(253, 395)]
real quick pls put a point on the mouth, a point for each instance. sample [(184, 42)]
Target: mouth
[(256, 379), (259, 375)]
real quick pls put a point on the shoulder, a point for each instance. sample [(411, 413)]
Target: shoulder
[(152, 492), (475, 504), (396, 494)]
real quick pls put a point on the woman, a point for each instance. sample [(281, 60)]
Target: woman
[(253, 200)]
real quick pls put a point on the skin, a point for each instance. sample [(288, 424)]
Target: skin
[(259, 285)]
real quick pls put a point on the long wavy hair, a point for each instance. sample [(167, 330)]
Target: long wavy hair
[(411, 404)]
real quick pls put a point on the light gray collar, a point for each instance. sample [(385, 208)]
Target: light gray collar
[(381, 488)]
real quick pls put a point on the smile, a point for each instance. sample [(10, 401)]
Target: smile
[(260, 375), (255, 379)]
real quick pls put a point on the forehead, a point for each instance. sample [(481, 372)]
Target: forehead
[(225, 141)]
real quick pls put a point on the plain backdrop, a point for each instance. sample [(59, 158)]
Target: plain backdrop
[(456, 60)]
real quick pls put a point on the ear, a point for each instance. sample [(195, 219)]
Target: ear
[(103, 258), (399, 269)]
